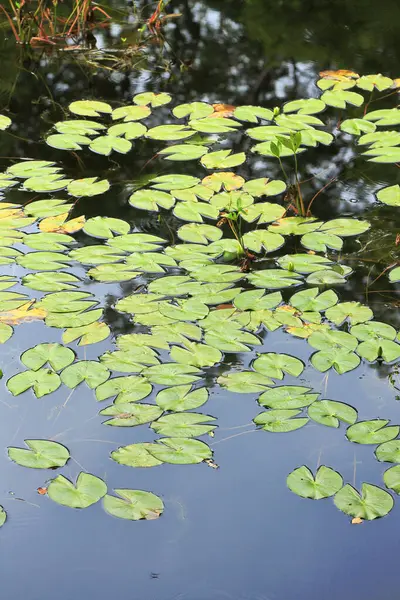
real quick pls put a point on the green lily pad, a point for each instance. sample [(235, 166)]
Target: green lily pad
[(131, 414), (87, 491), (373, 330), (133, 505), (50, 282), (48, 241), (42, 454), (169, 132), (128, 130), (196, 110), (90, 108), (320, 242), (127, 389), (252, 114), (280, 421), (68, 141), (66, 302), (62, 320), (146, 98), (174, 182), (5, 122), (223, 159), (106, 227), (357, 126), (3, 516), (198, 233), (245, 382), (327, 339), (338, 358), (388, 452), (106, 144), (375, 431), (371, 504), (183, 425), (330, 413), (79, 126), (90, 371), (183, 152), (198, 355), (326, 482), (354, 312), (88, 187), (56, 355), (213, 125), (390, 195), (380, 348), (136, 455), (275, 365), (171, 374), (43, 261), (391, 477), (394, 275), (339, 98), (87, 334), (180, 398), (287, 397), (131, 112), (274, 278), (43, 382), (151, 200), (181, 451), (311, 300)]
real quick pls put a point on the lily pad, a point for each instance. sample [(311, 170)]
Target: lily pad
[(43, 382), (130, 415), (330, 413), (42, 454), (90, 108), (375, 431), (87, 491), (90, 371), (183, 425), (88, 187), (133, 505), (326, 482), (280, 421), (371, 504), (287, 397), (180, 398), (275, 365), (56, 355), (245, 382), (136, 455), (171, 374), (338, 358), (127, 389), (389, 452), (181, 451)]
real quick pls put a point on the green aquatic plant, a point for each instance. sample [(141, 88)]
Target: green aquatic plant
[(210, 285)]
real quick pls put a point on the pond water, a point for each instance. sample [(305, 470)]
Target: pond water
[(233, 532)]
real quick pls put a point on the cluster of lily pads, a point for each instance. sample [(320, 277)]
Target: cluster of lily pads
[(194, 301)]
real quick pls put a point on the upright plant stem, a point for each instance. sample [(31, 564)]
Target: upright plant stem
[(302, 209)]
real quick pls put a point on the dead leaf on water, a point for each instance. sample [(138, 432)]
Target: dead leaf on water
[(222, 110), (59, 224), (357, 521), (26, 312), (339, 75), (42, 491)]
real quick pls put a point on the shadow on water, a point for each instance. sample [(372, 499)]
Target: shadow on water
[(237, 532)]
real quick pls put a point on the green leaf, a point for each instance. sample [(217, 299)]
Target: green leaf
[(127, 389), (5, 122), (381, 138), (87, 491), (88, 334), (391, 477), (327, 339), (373, 330), (78, 126), (66, 302), (42, 454), (149, 262), (339, 98), (130, 131), (42, 261), (90, 371), (383, 154), (62, 320), (131, 113), (297, 122), (136, 455), (357, 126), (136, 242), (196, 110), (30, 168), (371, 504), (232, 201), (384, 349), (169, 132), (326, 277), (133, 505), (106, 144), (47, 208), (132, 361), (345, 227), (195, 211), (88, 187), (275, 365), (394, 275), (180, 398), (177, 332), (198, 355), (295, 225), (171, 374), (375, 431), (56, 355), (280, 421), (199, 234), (151, 200), (274, 278), (139, 303), (256, 300), (217, 274), (146, 98), (6, 332), (47, 241), (330, 413), (264, 187), (338, 358), (304, 263), (390, 195), (106, 227), (226, 180), (50, 282), (223, 159), (287, 397), (181, 451), (384, 116), (46, 183), (311, 300), (320, 242), (42, 381), (130, 415), (95, 255), (253, 114), (3, 516), (378, 81), (67, 141), (306, 106), (354, 312), (266, 212), (90, 108), (388, 452), (326, 483), (183, 425), (174, 182), (244, 382), (183, 152), (213, 125)]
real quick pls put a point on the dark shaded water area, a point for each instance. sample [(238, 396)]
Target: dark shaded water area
[(236, 533)]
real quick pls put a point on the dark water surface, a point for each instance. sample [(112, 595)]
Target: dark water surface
[(237, 532)]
